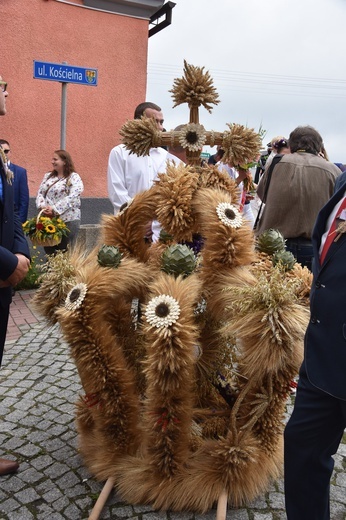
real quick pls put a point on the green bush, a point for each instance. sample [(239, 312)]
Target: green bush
[(31, 281)]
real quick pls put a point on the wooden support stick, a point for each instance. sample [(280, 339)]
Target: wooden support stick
[(102, 499), (222, 506)]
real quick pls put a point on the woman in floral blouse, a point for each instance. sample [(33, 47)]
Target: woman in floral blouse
[(59, 195)]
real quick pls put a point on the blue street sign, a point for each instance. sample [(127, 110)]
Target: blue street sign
[(65, 73)]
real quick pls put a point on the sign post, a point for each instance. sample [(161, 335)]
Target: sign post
[(64, 74), (63, 116)]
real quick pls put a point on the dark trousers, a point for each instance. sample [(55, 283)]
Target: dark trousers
[(301, 248), (312, 436), (4, 314)]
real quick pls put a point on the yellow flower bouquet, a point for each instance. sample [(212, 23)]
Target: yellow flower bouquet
[(45, 231)]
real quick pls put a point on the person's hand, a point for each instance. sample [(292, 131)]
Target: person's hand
[(20, 272), (48, 211), (148, 232), (242, 175)]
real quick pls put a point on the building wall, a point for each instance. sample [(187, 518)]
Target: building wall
[(47, 30)]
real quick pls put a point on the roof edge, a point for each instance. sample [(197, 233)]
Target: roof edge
[(135, 8)]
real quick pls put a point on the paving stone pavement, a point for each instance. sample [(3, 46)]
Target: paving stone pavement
[(38, 388)]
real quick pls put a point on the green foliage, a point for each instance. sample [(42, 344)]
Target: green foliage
[(31, 280), (165, 237)]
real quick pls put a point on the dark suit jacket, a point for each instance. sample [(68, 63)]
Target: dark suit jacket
[(12, 239), (21, 191), (325, 339), (340, 181)]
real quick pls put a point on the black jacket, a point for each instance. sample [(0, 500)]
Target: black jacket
[(325, 339), (12, 239)]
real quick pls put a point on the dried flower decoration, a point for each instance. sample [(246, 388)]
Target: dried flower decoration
[(8, 172), (201, 307), (76, 296), (339, 231), (192, 137), (139, 135), (166, 419), (229, 215), (195, 88), (162, 311)]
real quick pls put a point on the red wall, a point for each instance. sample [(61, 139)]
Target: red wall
[(46, 30)]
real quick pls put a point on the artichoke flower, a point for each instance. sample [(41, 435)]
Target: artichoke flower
[(270, 242), (109, 256), (178, 259), (284, 259)]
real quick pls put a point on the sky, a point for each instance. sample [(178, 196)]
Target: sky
[(275, 65)]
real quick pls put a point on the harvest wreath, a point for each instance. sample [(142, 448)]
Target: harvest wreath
[(186, 363)]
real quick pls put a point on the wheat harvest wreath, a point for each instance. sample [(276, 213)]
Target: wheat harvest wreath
[(185, 355)]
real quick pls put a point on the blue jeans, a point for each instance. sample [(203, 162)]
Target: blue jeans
[(301, 248)]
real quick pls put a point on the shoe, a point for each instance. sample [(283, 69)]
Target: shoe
[(8, 466)]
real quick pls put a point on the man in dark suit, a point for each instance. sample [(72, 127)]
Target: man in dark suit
[(14, 253), (20, 183), (340, 181), (318, 421)]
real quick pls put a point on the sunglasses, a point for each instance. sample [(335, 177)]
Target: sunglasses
[(6, 151), (3, 85)]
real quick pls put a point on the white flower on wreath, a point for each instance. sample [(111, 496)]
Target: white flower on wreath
[(76, 296), (192, 137), (229, 215), (162, 311)]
